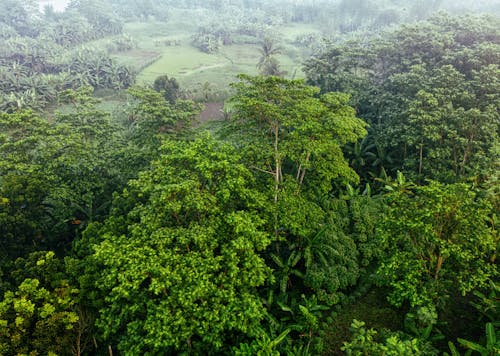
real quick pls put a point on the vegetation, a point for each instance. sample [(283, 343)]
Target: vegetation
[(353, 211)]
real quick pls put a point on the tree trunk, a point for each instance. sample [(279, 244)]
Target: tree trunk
[(438, 266), (308, 157), (277, 170), (421, 157), (467, 149)]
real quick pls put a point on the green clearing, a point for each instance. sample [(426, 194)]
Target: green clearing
[(193, 68)]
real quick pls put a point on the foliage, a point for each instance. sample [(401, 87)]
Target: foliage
[(39, 315), (151, 116), (57, 176), (439, 239), (303, 317), (181, 273), (262, 346), (31, 149), (243, 245), (488, 303), (168, 87), (491, 346), (99, 15), (206, 41), (422, 323), (423, 89), (367, 342), (290, 132), (268, 64), (41, 60), (97, 69), (291, 139)]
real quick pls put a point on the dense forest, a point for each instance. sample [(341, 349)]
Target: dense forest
[(249, 177)]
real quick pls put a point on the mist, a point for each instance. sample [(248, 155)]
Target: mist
[(249, 177)]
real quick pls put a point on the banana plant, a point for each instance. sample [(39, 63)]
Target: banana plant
[(491, 346), (489, 303), (304, 317), (286, 268)]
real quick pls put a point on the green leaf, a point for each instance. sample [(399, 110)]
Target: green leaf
[(453, 349), (491, 338), (473, 346)]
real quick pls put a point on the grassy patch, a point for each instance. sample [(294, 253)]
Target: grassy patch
[(181, 61), (193, 68)]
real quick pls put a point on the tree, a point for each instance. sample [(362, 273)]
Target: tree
[(100, 16), (291, 138), (423, 90), (58, 176), (39, 316), (268, 64), (152, 117), (292, 134), (440, 242), (15, 14), (178, 269), (168, 87)]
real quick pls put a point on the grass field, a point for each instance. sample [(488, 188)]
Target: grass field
[(193, 68)]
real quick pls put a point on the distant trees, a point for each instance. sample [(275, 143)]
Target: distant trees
[(99, 15), (208, 40), (96, 68), (423, 89), (32, 72), (15, 14)]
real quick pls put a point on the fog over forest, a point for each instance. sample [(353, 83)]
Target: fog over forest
[(449, 5), (249, 177)]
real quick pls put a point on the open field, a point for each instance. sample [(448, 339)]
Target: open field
[(171, 44)]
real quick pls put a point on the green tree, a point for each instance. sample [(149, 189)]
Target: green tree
[(58, 176), (291, 134), (39, 316), (423, 90), (15, 14), (178, 269), (168, 87), (268, 64), (100, 16), (291, 137), (440, 242), (152, 117)]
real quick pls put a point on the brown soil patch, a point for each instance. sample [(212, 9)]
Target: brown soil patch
[(211, 112)]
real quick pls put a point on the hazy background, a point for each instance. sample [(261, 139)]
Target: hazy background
[(58, 5)]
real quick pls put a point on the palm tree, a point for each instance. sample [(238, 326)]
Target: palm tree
[(268, 65)]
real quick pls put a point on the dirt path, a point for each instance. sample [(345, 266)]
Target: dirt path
[(187, 72)]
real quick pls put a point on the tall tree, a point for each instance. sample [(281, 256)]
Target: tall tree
[(291, 137), (177, 263), (292, 133)]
